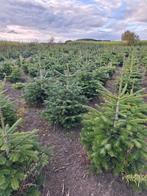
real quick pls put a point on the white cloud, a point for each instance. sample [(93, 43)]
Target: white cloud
[(27, 34), (108, 5), (136, 10)]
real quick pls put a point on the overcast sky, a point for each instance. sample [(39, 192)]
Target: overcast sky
[(28, 20)]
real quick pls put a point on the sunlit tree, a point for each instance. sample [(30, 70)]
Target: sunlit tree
[(130, 38)]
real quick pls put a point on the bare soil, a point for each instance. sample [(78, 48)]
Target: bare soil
[(68, 173)]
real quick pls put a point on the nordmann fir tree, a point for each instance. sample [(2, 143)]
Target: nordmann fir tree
[(65, 102), (6, 106), (21, 159), (90, 81), (132, 73), (114, 133)]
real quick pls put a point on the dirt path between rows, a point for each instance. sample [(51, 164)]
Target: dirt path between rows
[(68, 172)]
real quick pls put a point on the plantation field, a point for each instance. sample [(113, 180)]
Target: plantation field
[(73, 119)]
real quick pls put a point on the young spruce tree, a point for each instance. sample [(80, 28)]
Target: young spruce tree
[(114, 133)]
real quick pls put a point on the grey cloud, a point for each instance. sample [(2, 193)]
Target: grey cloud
[(69, 19), (12, 32), (37, 16)]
